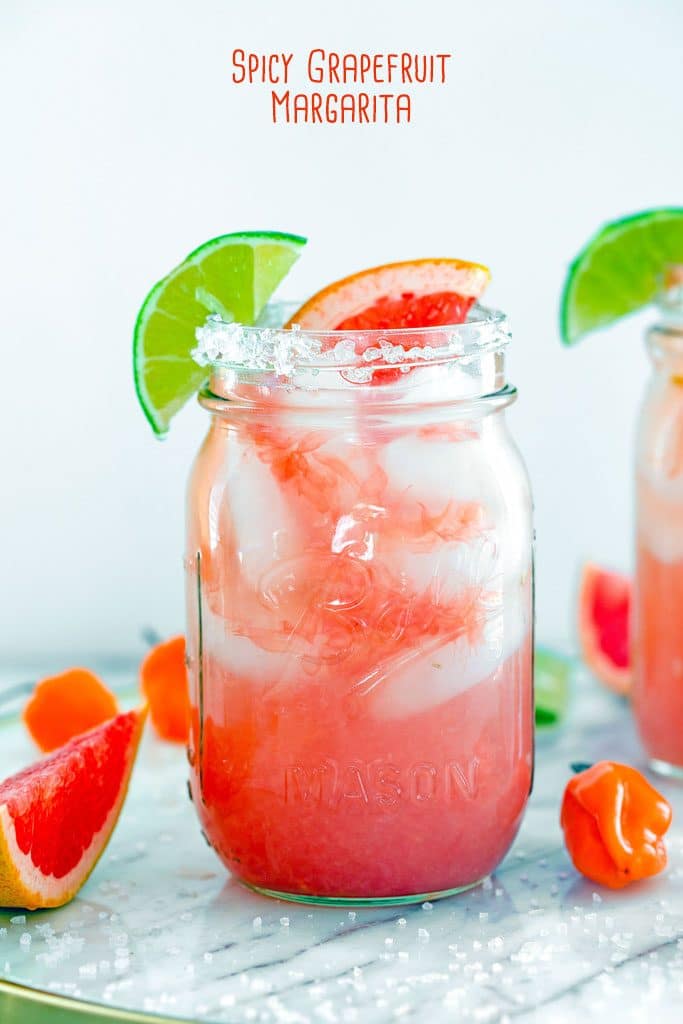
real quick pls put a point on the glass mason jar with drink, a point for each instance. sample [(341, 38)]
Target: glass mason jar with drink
[(632, 637), (658, 592), (358, 568), (359, 580)]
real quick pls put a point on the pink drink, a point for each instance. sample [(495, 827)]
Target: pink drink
[(360, 637), (658, 598), (659, 676)]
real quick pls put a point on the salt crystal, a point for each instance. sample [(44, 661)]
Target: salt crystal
[(257, 923), (19, 919), (352, 915), (284, 921), (401, 923), (25, 939), (427, 906), (422, 935)]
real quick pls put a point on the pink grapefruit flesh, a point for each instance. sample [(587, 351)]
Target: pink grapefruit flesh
[(604, 614), (56, 816), (412, 294)]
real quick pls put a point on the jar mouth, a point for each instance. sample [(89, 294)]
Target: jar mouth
[(285, 351)]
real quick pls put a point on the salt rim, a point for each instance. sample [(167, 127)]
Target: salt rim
[(221, 344)]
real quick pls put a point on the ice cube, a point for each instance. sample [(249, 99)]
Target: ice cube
[(660, 511), (435, 672), (241, 657), (478, 472), (258, 517), (449, 568)]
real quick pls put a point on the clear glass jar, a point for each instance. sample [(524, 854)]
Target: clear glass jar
[(658, 593), (359, 580)]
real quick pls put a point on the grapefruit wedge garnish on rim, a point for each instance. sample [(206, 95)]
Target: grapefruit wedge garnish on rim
[(604, 614), (412, 294), (56, 817)]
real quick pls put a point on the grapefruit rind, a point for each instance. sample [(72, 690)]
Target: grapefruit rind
[(22, 884), (352, 295), (615, 677)]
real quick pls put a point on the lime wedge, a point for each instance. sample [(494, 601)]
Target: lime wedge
[(552, 673), (620, 270), (233, 275)]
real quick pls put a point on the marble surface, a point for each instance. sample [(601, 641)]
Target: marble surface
[(161, 928)]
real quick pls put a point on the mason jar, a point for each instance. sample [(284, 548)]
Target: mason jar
[(359, 593), (658, 590)]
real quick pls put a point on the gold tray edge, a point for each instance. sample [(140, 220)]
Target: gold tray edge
[(17, 1001)]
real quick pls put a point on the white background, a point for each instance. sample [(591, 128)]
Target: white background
[(126, 145)]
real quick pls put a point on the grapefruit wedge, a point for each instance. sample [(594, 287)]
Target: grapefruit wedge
[(415, 293), (604, 613), (56, 817)]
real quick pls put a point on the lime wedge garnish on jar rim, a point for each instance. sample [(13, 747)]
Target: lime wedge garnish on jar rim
[(620, 270), (233, 276)]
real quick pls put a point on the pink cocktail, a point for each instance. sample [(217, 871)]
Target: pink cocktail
[(658, 592), (360, 613)]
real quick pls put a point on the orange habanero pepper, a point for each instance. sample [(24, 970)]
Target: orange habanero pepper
[(613, 822)]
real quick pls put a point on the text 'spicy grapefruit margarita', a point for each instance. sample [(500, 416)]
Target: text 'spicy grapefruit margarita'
[(359, 584)]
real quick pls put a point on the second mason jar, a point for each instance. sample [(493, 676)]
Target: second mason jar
[(658, 591), (359, 581)]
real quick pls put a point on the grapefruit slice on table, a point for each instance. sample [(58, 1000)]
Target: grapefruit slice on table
[(411, 294), (56, 817), (604, 613)]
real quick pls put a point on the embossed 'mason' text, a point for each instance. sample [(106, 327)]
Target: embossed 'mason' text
[(381, 783)]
